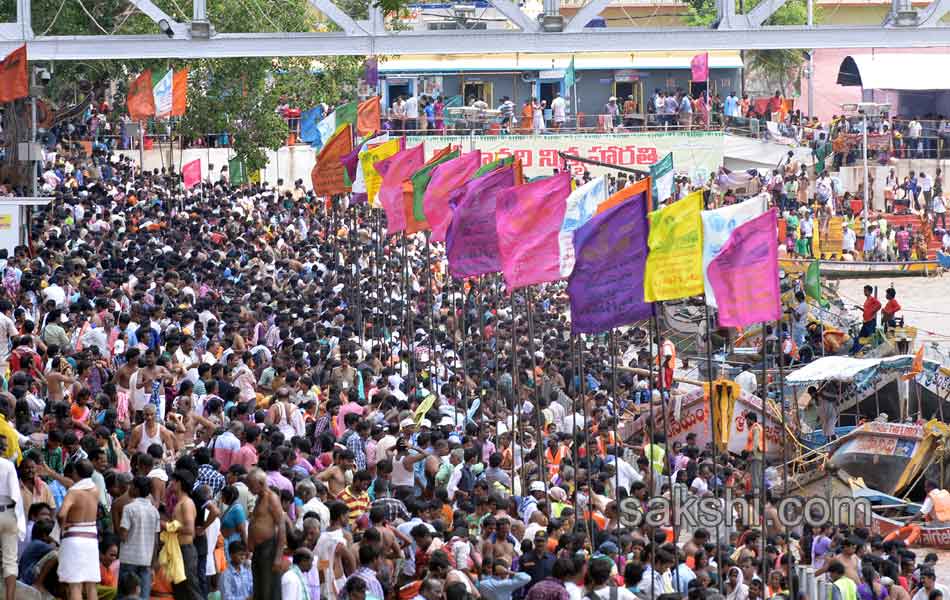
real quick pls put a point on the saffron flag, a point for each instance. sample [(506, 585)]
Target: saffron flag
[(718, 225), (529, 218), (373, 179), (170, 92), (471, 242), (917, 366), (328, 174), (580, 207), (699, 66), (418, 183), (631, 191), (675, 264), (14, 82), (368, 117), (744, 275), (445, 178), (309, 119), (191, 173), (661, 174), (394, 170), (141, 101), (606, 284)]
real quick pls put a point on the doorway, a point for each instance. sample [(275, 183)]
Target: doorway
[(480, 90), (394, 89), (696, 88)]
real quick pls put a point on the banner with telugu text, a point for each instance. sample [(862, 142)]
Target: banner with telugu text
[(698, 153)]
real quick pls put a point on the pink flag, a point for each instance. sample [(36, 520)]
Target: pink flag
[(394, 170), (744, 275), (529, 219), (700, 67), (191, 173), (445, 178)]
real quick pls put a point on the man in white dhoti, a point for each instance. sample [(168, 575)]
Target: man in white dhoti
[(80, 539)]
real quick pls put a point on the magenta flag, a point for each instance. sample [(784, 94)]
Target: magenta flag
[(395, 169), (471, 242), (529, 219), (446, 177), (744, 275), (700, 67), (606, 285), (191, 173)]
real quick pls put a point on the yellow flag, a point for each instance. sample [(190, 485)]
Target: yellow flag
[(675, 262), (370, 175), (424, 407)]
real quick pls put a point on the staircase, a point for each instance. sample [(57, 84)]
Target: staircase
[(914, 222)]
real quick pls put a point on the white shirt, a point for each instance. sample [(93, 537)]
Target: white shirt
[(747, 381), (10, 488), (914, 129), (622, 593), (848, 240), (292, 585), (559, 109), (7, 331), (317, 506), (55, 293), (412, 108), (699, 486), (923, 594)]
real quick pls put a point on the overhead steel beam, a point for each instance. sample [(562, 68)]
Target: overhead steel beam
[(585, 14), (24, 17), (514, 14), (930, 16), (336, 14), (476, 42), (156, 14)]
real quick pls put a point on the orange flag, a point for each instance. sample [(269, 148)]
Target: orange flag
[(327, 174), (141, 102), (631, 191), (367, 117), (179, 92), (13, 80), (916, 367)]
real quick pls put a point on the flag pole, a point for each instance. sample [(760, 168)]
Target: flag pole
[(612, 341), (537, 390), (429, 302), (667, 413), (712, 419)]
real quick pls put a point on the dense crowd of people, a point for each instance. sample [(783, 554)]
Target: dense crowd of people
[(249, 392)]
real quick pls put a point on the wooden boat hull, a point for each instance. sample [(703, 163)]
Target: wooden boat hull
[(878, 453), (835, 269)]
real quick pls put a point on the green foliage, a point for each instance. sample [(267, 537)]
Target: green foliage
[(234, 95)]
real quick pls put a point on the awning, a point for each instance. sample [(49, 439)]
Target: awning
[(896, 71), (846, 369), (450, 63)]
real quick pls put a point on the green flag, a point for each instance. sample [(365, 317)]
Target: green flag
[(569, 76), (813, 283), (495, 164), (661, 176), (420, 181), (346, 114), (236, 172)]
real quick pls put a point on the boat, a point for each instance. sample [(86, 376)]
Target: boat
[(691, 414), (878, 453), (840, 269), (890, 514)]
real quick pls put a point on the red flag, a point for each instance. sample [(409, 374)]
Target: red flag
[(191, 173), (367, 117), (140, 101), (179, 92), (13, 80), (700, 67)]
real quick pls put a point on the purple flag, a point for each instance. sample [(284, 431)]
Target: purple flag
[(350, 162), (606, 285), (471, 241), (371, 75)]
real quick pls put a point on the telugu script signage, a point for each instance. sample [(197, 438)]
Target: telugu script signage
[(696, 153)]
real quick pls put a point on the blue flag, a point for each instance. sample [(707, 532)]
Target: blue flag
[(308, 126)]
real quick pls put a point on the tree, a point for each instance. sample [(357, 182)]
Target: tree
[(776, 68), (233, 95)]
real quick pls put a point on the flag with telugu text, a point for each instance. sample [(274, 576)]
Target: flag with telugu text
[(744, 274), (529, 219), (606, 284), (471, 242), (674, 266)]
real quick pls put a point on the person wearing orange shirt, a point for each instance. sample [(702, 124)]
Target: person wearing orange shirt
[(869, 318), (890, 309)]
